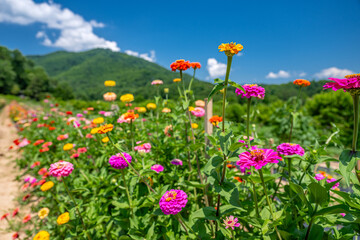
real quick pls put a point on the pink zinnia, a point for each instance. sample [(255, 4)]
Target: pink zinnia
[(345, 84), (146, 147), (118, 162), (173, 201), (330, 180), (258, 158), (231, 222), (82, 150), (157, 82), (61, 169), (319, 177), (198, 112), (290, 149), (176, 162), (157, 168), (245, 140), (47, 144), (252, 90)]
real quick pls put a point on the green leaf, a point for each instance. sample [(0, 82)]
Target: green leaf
[(235, 146), (341, 208), (218, 80), (347, 164), (206, 212), (216, 89), (234, 84), (226, 209), (267, 177), (318, 194), (150, 232), (194, 184), (229, 191), (348, 199), (213, 163), (300, 192), (120, 204), (316, 232)]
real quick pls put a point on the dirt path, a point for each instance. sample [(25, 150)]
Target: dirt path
[(9, 187)]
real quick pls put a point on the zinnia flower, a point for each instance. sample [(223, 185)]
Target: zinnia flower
[(167, 131), (252, 90), (4, 216), (15, 212), (47, 186), (176, 162), (194, 125), (61, 169), (290, 149), (127, 117), (15, 236), (215, 120), (198, 112), (258, 158), (141, 109), (109, 96), (109, 83), (42, 235), (180, 65), (43, 213), (98, 120), (127, 98), (231, 222), (105, 128), (105, 139), (177, 80), (151, 106), (195, 65), (230, 49), (118, 162), (146, 147), (173, 201), (350, 82), (68, 146), (302, 82), (157, 168), (62, 137), (63, 218), (26, 218), (157, 82), (200, 103), (38, 142), (166, 110)]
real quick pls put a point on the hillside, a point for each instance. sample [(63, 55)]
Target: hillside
[(86, 72)]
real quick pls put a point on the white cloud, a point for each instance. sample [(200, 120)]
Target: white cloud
[(333, 72), (148, 57), (216, 69), (76, 34), (280, 74), (302, 74)]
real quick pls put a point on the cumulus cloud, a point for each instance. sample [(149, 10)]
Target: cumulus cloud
[(302, 74), (280, 74), (333, 72), (216, 69), (76, 34), (148, 57)]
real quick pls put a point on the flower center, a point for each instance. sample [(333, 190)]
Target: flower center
[(257, 154), (170, 196)]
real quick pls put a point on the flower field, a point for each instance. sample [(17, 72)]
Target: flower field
[(178, 170)]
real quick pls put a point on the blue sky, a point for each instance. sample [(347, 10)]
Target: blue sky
[(283, 40)]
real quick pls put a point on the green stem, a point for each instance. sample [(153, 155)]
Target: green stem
[(228, 67), (132, 135), (76, 207), (356, 130), (126, 188), (248, 121), (268, 201), (255, 200), (311, 223), (183, 221), (289, 169)]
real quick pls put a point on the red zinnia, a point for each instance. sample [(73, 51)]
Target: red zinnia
[(180, 65), (195, 65), (69, 113), (15, 236), (15, 212), (27, 218), (4, 216)]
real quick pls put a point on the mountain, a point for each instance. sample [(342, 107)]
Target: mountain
[(86, 72)]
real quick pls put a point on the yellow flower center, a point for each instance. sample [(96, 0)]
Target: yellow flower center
[(170, 196)]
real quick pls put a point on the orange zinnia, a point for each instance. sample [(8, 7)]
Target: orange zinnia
[(302, 82), (105, 128), (215, 120), (180, 65), (230, 49), (195, 65), (130, 115)]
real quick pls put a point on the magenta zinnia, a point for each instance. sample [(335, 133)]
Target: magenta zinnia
[(173, 201), (231, 222), (252, 90), (157, 168), (349, 82), (290, 149), (258, 158), (118, 162), (61, 169)]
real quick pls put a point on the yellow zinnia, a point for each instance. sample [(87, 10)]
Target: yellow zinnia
[(230, 49), (43, 213), (126, 98), (98, 120), (68, 146), (177, 80), (105, 128), (194, 125), (166, 90), (105, 139), (191, 109), (151, 106), (63, 218), (42, 235), (141, 110), (109, 83), (47, 186), (94, 130)]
